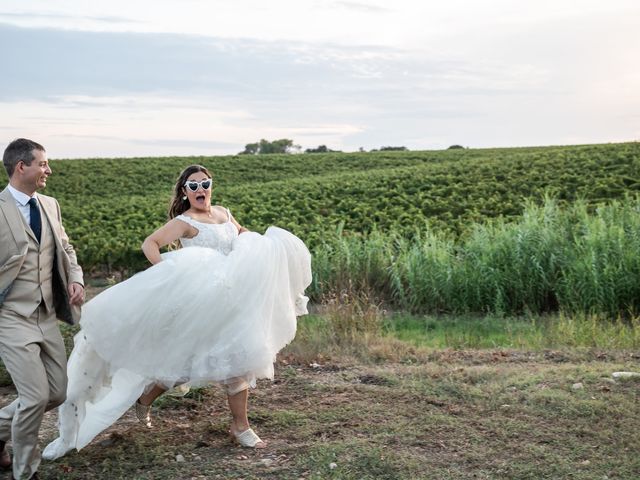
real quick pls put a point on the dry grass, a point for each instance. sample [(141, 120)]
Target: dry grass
[(452, 414)]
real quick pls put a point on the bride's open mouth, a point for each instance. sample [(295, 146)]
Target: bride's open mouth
[(200, 198)]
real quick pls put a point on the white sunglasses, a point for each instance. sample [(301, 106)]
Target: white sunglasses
[(194, 186)]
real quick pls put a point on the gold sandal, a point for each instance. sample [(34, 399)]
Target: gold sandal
[(143, 412)]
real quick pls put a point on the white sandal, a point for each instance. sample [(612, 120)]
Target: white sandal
[(248, 438)]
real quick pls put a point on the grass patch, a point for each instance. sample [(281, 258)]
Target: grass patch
[(539, 332), (461, 332), (361, 395)]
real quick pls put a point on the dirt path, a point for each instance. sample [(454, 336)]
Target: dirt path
[(463, 414)]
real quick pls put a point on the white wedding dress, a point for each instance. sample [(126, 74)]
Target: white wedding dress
[(218, 309)]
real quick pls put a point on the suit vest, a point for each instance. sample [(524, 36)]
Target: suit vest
[(34, 283)]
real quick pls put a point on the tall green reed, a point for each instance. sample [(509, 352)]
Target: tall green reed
[(353, 265), (512, 267), (602, 274), (552, 258)]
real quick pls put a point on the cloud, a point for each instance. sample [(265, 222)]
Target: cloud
[(73, 65), (186, 89), (34, 17), (363, 7), (515, 79), (92, 64), (184, 144)]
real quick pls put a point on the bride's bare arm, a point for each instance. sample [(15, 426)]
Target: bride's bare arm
[(168, 233)]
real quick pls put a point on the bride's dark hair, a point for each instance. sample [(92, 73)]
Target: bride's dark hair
[(179, 205)]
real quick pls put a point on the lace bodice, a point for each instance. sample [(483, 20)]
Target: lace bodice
[(218, 236)]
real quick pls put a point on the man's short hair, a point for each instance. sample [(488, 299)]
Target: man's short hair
[(20, 150)]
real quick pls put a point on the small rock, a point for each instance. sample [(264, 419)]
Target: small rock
[(586, 462), (333, 465), (107, 442), (577, 386), (625, 374), (267, 462), (179, 458)]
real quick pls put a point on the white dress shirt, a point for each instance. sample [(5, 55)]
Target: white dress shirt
[(22, 202)]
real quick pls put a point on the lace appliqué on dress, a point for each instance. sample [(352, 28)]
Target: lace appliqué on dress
[(218, 236)]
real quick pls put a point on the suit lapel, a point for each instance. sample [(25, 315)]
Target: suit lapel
[(15, 220)]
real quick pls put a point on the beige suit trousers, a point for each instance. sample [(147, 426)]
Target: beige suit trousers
[(32, 350)]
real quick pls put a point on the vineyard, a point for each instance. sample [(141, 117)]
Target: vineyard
[(111, 205)]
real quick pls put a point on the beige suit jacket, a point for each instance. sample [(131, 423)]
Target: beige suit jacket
[(13, 248)]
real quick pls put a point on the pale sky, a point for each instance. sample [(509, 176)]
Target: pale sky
[(205, 77)]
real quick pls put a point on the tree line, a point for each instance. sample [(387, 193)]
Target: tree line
[(286, 145)]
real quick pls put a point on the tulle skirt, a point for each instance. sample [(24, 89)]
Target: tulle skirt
[(198, 316)]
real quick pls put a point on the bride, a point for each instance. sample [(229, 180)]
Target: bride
[(217, 310)]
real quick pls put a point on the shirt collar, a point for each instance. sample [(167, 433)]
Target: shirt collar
[(21, 198)]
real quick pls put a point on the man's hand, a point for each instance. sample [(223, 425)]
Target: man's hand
[(76, 294)]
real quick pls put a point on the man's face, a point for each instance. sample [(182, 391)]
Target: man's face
[(34, 176)]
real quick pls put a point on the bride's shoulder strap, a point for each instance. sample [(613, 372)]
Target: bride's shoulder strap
[(185, 219), (226, 210)]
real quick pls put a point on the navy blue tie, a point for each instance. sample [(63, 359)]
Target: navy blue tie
[(35, 222)]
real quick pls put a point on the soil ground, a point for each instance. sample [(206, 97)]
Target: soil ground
[(481, 414)]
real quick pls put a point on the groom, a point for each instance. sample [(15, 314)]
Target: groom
[(39, 280)]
